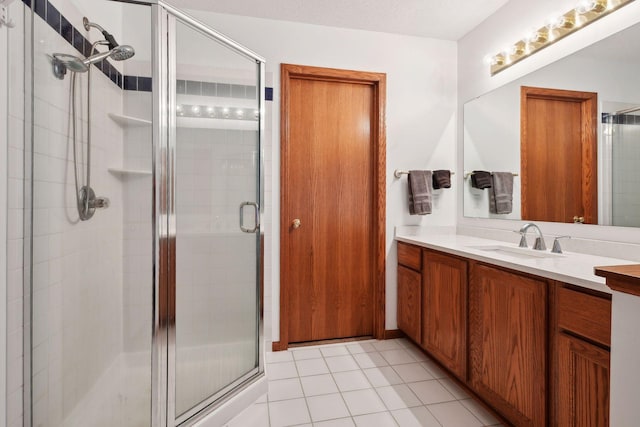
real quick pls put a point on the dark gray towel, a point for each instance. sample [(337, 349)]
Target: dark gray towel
[(501, 193), (419, 192), (481, 179), (441, 179)]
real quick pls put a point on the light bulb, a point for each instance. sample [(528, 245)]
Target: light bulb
[(554, 21), (239, 113), (195, 109)]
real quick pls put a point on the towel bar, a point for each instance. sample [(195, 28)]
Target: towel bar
[(468, 174), (398, 173)]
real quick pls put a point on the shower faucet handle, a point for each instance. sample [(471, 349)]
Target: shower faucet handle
[(99, 203)]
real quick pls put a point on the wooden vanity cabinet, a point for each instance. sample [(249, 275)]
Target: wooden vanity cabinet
[(533, 349), (582, 356), (508, 342), (444, 310), (410, 290)]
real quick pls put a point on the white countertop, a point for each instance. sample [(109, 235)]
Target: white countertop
[(571, 267)]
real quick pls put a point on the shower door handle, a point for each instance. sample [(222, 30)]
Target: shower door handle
[(256, 210)]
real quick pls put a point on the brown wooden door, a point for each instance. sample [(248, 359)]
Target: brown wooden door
[(583, 383), (507, 343), (444, 318), (559, 155), (332, 219)]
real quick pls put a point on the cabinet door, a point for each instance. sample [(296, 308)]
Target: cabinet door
[(444, 310), (409, 303), (507, 339), (583, 383)]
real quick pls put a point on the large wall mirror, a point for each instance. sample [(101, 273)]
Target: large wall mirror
[(550, 104)]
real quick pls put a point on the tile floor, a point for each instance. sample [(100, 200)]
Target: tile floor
[(363, 383)]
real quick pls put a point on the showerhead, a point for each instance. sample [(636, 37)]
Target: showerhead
[(63, 61), (119, 53), (122, 52)]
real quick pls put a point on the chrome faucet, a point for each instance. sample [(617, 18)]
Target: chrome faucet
[(539, 244)]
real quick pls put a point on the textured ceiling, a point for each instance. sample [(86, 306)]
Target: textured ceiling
[(441, 19)]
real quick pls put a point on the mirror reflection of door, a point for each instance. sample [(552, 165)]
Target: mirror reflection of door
[(558, 146)]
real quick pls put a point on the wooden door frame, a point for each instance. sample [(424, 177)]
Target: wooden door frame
[(589, 142), (288, 72)]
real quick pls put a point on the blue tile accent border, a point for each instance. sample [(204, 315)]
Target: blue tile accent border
[(61, 25)]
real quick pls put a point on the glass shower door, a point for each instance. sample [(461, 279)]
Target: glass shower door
[(215, 94)]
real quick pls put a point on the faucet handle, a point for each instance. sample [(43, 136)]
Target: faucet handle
[(539, 245), (556, 244), (523, 238)]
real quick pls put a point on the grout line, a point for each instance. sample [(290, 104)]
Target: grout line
[(331, 374)]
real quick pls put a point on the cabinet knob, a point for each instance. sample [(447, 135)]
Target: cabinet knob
[(296, 223)]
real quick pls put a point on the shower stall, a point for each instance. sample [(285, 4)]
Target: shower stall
[(621, 138), (143, 206)]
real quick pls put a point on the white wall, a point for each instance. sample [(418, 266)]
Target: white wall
[(421, 115)]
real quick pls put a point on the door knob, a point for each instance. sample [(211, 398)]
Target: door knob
[(578, 219), (296, 223)]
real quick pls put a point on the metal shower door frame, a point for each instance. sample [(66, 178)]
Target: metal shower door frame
[(164, 19)]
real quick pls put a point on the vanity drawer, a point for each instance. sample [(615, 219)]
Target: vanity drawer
[(585, 315), (410, 256)]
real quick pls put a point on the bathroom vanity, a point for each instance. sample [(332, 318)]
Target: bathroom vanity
[(529, 332)]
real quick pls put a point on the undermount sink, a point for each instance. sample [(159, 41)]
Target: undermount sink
[(516, 252)]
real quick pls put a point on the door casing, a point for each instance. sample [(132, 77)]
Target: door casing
[(540, 182), (378, 138)]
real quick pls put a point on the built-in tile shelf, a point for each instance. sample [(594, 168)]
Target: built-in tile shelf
[(129, 172), (128, 120)]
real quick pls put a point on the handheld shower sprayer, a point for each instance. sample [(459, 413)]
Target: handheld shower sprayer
[(63, 62), (86, 200)]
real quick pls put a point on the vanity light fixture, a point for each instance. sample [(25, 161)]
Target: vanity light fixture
[(586, 12)]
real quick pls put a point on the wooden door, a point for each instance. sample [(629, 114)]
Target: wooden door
[(559, 155), (444, 319), (409, 302), (507, 343), (583, 383), (332, 218)]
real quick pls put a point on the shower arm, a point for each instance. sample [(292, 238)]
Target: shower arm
[(109, 38)]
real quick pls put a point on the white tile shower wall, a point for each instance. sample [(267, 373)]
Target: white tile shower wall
[(77, 266), (138, 232), (15, 182)]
